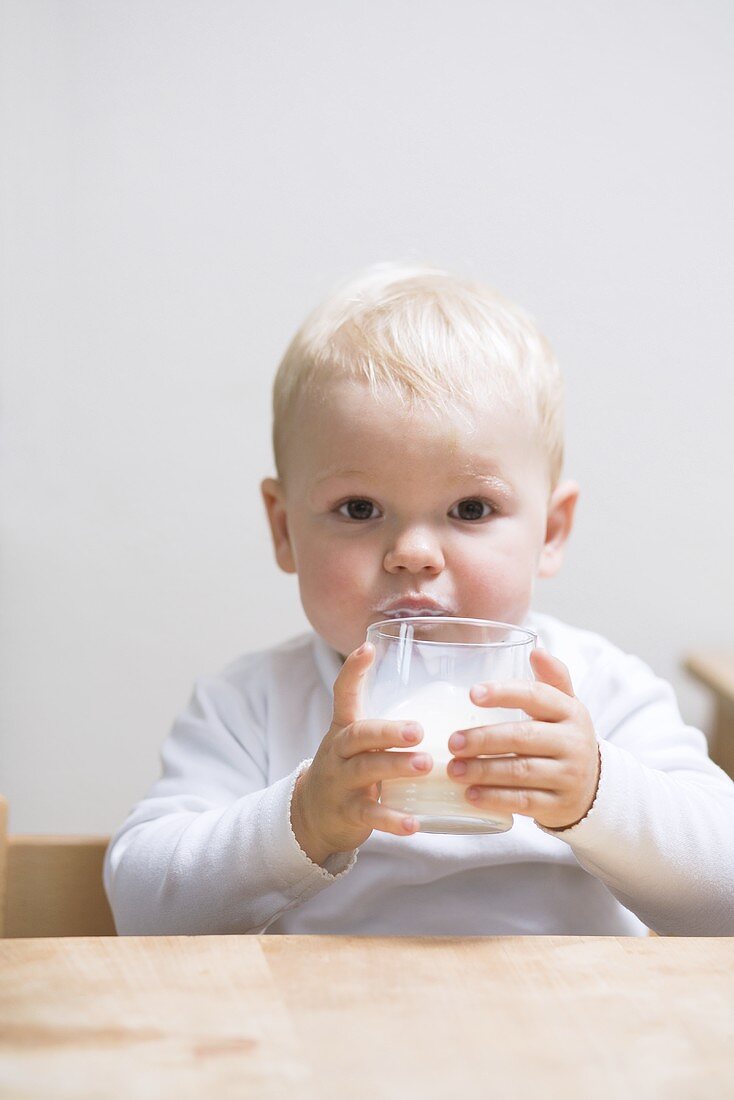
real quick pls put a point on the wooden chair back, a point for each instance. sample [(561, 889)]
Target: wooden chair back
[(3, 859), (52, 885)]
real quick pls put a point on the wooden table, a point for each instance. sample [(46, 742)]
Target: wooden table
[(715, 669), (361, 1018)]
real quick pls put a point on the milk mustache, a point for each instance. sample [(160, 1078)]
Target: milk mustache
[(441, 708)]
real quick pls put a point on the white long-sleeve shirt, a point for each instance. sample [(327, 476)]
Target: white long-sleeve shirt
[(211, 849)]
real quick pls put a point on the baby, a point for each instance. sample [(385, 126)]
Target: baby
[(419, 446)]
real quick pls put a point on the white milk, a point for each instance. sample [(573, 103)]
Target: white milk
[(438, 801)]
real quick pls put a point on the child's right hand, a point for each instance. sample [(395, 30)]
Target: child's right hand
[(334, 806)]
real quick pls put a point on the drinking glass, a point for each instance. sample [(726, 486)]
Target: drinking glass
[(422, 671)]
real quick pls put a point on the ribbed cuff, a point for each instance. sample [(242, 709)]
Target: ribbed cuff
[(568, 832), (336, 865)]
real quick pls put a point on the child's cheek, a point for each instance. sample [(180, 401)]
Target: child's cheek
[(503, 585), (341, 585), (336, 587)]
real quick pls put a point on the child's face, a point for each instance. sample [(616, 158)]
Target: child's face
[(383, 504)]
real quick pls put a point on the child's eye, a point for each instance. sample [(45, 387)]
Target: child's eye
[(357, 509), (471, 509)]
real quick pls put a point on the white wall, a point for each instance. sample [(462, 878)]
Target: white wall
[(186, 180)]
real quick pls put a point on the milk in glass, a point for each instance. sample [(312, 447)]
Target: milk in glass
[(436, 799)]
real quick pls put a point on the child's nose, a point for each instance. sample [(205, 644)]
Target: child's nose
[(415, 550)]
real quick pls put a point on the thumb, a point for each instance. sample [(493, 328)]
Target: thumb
[(348, 685), (550, 670)]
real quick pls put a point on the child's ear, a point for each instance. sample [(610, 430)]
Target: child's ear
[(274, 497), (561, 508)]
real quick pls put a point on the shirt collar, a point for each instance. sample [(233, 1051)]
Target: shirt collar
[(328, 661)]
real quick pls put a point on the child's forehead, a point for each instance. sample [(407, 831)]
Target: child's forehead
[(350, 429), (353, 415)]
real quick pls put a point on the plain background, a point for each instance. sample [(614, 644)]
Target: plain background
[(182, 182)]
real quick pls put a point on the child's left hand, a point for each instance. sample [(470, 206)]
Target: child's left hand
[(555, 774)]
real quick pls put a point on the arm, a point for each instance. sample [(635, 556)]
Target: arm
[(211, 848), (660, 834), (622, 781)]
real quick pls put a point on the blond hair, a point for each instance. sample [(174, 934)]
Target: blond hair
[(418, 333)]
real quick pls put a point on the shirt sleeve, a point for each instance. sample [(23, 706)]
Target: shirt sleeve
[(211, 848), (660, 833)]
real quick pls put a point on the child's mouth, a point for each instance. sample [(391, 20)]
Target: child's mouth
[(411, 612)]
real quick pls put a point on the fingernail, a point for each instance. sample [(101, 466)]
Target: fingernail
[(458, 767), (481, 692), (421, 762), (473, 794), (457, 741), (411, 732)]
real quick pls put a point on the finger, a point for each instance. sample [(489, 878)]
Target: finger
[(348, 685), (529, 802), (526, 738), (376, 816), (372, 767), (376, 733), (550, 670), (538, 773), (535, 697)]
